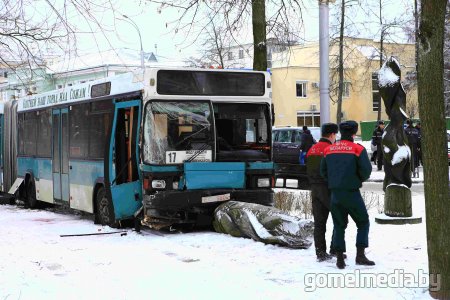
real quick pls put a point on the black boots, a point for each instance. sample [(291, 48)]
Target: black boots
[(361, 258), (323, 256), (340, 263), (333, 253)]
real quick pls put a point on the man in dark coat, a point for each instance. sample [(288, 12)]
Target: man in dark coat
[(346, 166), (419, 144), (377, 137), (307, 141), (413, 141), (320, 193)]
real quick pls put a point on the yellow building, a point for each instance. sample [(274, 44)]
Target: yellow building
[(295, 82)]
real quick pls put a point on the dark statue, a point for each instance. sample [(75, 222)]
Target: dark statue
[(397, 154)]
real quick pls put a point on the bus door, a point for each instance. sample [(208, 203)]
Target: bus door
[(60, 157), (123, 159)]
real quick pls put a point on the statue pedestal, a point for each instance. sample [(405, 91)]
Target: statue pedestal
[(397, 201), (383, 219), (397, 207)]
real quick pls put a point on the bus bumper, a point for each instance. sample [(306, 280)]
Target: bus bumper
[(196, 206)]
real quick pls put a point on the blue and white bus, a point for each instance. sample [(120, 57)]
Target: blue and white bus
[(78, 147), (178, 141)]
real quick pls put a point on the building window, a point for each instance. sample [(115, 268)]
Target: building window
[(300, 88), (376, 99), (346, 90), (230, 55), (308, 118), (241, 53)]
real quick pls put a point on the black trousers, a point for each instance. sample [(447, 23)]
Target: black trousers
[(379, 157), (321, 196)]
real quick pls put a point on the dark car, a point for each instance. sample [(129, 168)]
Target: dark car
[(286, 144)]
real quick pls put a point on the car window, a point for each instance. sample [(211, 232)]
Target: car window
[(284, 136), (297, 137), (275, 136)]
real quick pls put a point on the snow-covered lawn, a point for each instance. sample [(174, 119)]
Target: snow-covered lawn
[(36, 263)]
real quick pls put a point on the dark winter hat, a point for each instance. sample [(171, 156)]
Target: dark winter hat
[(381, 122), (348, 128), (329, 128)]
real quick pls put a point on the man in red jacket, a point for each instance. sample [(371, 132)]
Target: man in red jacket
[(346, 166), (320, 193)]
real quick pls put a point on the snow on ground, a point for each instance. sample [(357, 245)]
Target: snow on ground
[(36, 263)]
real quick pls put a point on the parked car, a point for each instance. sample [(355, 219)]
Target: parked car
[(286, 144)]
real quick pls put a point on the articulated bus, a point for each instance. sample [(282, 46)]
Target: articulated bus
[(162, 146)]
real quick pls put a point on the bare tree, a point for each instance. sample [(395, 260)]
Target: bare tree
[(269, 18), (35, 31), (214, 47), (341, 63)]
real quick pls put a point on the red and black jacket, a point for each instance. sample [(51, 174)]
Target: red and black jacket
[(314, 157), (345, 165)]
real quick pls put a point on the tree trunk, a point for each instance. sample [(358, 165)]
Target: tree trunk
[(218, 45), (431, 109), (259, 35), (341, 65)]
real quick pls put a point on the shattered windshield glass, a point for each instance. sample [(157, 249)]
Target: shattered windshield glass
[(177, 131)]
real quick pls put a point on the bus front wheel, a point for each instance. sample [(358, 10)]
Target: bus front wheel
[(105, 209)]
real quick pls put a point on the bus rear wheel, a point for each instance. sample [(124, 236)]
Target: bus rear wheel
[(31, 195), (105, 209)]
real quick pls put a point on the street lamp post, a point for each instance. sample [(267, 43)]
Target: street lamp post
[(324, 40), (140, 40)]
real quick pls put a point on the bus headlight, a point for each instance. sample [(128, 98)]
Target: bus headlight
[(263, 182), (158, 184)]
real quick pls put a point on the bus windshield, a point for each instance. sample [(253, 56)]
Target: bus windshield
[(243, 131), (177, 131)]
